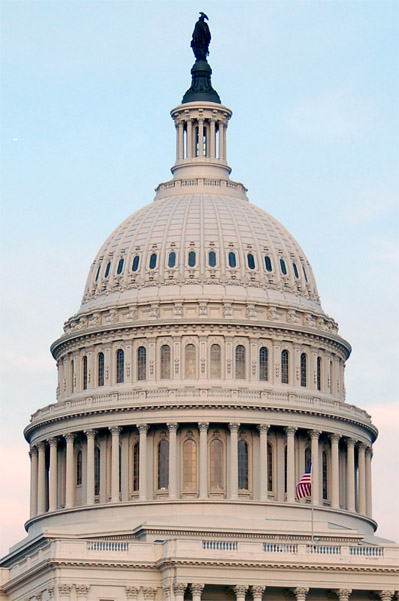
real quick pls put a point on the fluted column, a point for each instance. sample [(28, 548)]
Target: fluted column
[(221, 141), (189, 139), (203, 488), (178, 589), (33, 481), (41, 477), (143, 462), (115, 432), (314, 435), (369, 500), (90, 436), (290, 432), (53, 478), (212, 142), (301, 593), (335, 470), (350, 474), (180, 141), (200, 137), (257, 592), (344, 594), (234, 460), (362, 478), (263, 429), (172, 460), (196, 591), (69, 479)]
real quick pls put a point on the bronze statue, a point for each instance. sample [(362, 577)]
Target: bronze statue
[(201, 38)]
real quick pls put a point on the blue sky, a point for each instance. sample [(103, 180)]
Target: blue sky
[(86, 136)]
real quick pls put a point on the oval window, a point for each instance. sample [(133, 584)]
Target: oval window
[(212, 258), (191, 258), (268, 264), (135, 264), (283, 267), (106, 274), (251, 261), (232, 259), (304, 273), (98, 272), (153, 261), (295, 270), (172, 259), (120, 266)]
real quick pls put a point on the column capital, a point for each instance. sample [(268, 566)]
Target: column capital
[(301, 593), (203, 426), (179, 588), (32, 451), (344, 594), (369, 451), (290, 431), (53, 441), (257, 591), (149, 593), (115, 430), (335, 437), (69, 436), (197, 588), (82, 590), (132, 592), (314, 435), (90, 434), (172, 426), (362, 446), (143, 428), (41, 445), (240, 589), (350, 443), (263, 428), (386, 595), (234, 427)]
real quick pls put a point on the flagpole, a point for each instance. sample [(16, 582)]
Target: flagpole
[(312, 497)]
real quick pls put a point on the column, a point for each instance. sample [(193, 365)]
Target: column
[(386, 595), (115, 431), (224, 156), (314, 435), (369, 501), (41, 477), (344, 594), (200, 137), (179, 149), (257, 592), (69, 480), (234, 460), (196, 591), (350, 474), (221, 140), (263, 462), (33, 481), (53, 479), (90, 436), (240, 592), (178, 589), (290, 464), (301, 593), (189, 138), (143, 462), (172, 460), (362, 478), (203, 487), (335, 470), (212, 140)]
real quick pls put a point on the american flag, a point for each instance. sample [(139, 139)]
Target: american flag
[(304, 486)]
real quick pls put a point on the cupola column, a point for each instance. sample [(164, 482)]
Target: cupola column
[(362, 478), (203, 488), (69, 479), (335, 470), (290, 432), (33, 481), (90, 436), (263, 429), (53, 478), (369, 508), (222, 138), (143, 428), (189, 141), (234, 460), (41, 476), (115, 431), (200, 137), (314, 435), (180, 141), (172, 460), (212, 140), (350, 474)]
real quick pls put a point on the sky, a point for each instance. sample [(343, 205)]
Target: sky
[(86, 91)]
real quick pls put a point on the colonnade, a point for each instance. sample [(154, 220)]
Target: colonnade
[(344, 462)]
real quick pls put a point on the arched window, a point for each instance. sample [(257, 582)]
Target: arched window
[(84, 369), (98, 272), (136, 466), (120, 266), (330, 380), (251, 261), (163, 464), (269, 467), (191, 258), (232, 260), (304, 369), (304, 273), (308, 458), (216, 366), (263, 363), (165, 362), (240, 362), (190, 359), (216, 464), (107, 269), (189, 465), (120, 366), (294, 267), (284, 367), (212, 258), (285, 468), (135, 264), (172, 259), (242, 465), (141, 363), (97, 465), (79, 468), (325, 475), (153, 261), (283, 267), (268, 264), (100, 369), (318, 373)]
